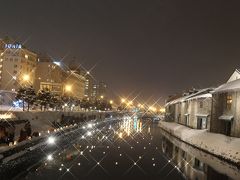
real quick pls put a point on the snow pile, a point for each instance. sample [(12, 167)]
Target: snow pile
[(217, 144)]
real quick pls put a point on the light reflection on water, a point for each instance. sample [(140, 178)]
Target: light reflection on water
[(117, 148)]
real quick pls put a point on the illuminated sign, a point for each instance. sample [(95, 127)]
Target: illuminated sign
[(13, 46)]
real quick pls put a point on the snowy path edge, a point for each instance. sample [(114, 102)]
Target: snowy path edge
[(227, 148)]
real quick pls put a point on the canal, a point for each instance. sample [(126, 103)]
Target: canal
[(124, 149)]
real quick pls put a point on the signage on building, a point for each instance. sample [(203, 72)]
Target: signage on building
[(13, 46)]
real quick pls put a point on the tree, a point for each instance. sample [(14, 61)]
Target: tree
[(85, 104), (26, 94), (21, 93), (44, 98), (30, 96), (55, 102)]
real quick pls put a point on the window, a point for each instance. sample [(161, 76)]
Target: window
[(198, 164), (229, 101), (201, 104)]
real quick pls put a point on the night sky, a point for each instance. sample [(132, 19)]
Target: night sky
[(151, 47)]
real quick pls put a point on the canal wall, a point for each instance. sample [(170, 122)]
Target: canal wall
[(227, 148), (46, 121)]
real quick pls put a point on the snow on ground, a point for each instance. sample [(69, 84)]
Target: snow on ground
[(9, 108), (218, 144), (209, 159)]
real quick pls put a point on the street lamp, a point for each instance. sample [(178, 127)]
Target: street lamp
[(123, 100), (111, 101), (102, 97), (162, 110), (68, 88), (26, 77)]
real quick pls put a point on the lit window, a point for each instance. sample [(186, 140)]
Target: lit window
[(229, 101), (26, 56)]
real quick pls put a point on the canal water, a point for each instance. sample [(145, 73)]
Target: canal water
[(128, 149)]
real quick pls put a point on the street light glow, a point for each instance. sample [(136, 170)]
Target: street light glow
[(68, 88), (49, 157), (51, 140), (26, 77), (123, 100)]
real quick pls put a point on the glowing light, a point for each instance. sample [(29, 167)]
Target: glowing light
[(89, 133), (123, 100), (120, 135), (57, 63), (162, 110), (68, 88), (6, 116), (49, 157), (26, 77), (51, 140), (90, 125), (111, 101)]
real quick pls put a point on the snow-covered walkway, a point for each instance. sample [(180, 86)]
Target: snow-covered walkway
[(218, 144)]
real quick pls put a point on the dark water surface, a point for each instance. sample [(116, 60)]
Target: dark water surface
[(128, 149)]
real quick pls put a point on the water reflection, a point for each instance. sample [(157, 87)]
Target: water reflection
[(133, 148), (196, 164)]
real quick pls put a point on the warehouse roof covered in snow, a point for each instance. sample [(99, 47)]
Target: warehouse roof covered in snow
[(230, 86)]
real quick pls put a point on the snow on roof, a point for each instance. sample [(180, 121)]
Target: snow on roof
[(226, 117), (207, 95), (230, 86), (203, 93)]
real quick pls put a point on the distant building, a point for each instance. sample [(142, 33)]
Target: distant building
[(17, 65), (226, 108), (89, 86), (74, 84), (102, 90), (59, 79), (49, 75), (95, 91)]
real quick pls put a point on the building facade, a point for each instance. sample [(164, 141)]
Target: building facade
[(74, 84), (49, 75), (192, 110), (89, 86), (226, 109), (17, 65)]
